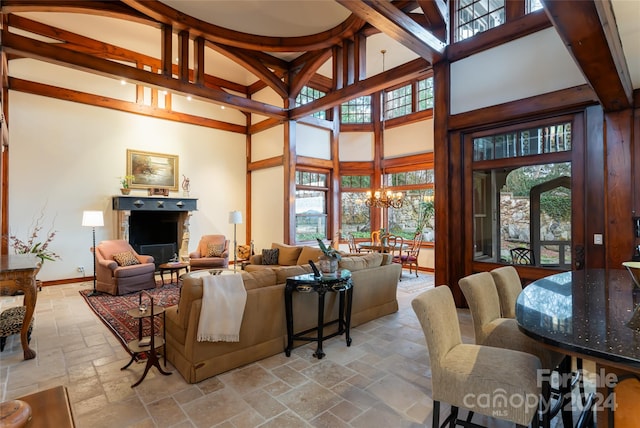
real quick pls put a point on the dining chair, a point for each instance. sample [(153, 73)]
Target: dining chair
[(351, 241), (522, 256), (492, 329), (463, 374), (394, 247), (509, 285), (410, 258), (626, 412), (375, 237)]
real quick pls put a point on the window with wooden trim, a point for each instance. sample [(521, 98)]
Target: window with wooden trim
[(312, 189), (357, 110), (398, 102), (532, 5), (308, 94), (355, 215), (475, 16), (425, 94), (524, 205), (416, 213)]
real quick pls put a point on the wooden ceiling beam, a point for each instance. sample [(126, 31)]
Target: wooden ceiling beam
[(589, 31), (52, 53), (214, 33), (437, 14), (412, 70), (302, 77), (400, 27), (254, 65), (94, 47)]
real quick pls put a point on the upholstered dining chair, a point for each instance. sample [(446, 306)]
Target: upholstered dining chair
[(509, 285), (410, 256), (212, 253), (492, 329), (121, 270), (394, 247), (461, 374)]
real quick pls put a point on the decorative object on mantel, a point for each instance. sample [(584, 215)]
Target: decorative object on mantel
[(328, 262), (186, 185), (124, 184), (158, 192), (152, 170)]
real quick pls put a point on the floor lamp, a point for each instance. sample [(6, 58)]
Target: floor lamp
[(93, 219), (235, 218)]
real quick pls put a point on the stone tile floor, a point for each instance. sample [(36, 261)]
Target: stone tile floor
[(382, 380)]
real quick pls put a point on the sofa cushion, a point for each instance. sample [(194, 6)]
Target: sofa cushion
[(288, 254), (214, 250), (259, 278), (309, 253), (288, 271), (270, 256), (126, 258), (356, 263)]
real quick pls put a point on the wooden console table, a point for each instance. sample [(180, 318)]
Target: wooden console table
[(18, 272), (50, 408)]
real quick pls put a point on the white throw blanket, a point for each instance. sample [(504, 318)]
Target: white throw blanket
[(223, 301)]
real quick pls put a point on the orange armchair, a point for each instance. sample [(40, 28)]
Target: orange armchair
[(204, 256), (115, 276)]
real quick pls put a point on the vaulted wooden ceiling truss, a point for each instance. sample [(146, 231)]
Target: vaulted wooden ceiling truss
[(422, 26)]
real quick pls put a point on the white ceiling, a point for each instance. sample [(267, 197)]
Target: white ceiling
[(288, 18)]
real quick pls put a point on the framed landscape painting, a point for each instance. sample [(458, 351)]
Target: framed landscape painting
[(152, 170)]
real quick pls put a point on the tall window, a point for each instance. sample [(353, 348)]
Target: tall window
[(523, 206), (356, 216), (425, 94), (533, 5), (311, 205), (307, 95), (357, 110), (416, 213), (476, 16), (398, 102)]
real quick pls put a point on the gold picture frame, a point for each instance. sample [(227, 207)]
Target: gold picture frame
[(152, 170)]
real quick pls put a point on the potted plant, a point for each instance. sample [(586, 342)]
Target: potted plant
[(328, 262), (124, 184)]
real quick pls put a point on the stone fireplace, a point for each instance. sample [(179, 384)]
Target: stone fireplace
[(156, 226)]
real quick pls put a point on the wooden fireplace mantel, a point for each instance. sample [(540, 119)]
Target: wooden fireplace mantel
[(124, 205)]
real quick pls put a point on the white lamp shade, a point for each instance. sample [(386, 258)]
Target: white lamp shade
[(92, 218), (235, 217)]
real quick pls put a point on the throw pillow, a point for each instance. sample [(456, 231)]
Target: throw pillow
[(270, 257), (126, 258), (287, 254), (215, 250)]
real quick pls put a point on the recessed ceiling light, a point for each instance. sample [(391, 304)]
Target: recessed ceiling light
[(123, 82), (222, 107), (189, 98)]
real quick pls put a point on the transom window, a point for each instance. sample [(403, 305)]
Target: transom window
[(425, 94), (533, 5), (357, 110), (311, 205), (476, 16), (397, 102), (307, 95), (534, 141)]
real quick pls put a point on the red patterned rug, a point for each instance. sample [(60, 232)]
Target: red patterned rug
[(112, 310)]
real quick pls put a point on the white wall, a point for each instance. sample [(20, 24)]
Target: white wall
[(313, 142), (267, 206), (66, 157), (356, 147), (408, 139), (532, 65)]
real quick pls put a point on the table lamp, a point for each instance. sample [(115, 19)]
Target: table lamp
[(235, 218), (93, 219)]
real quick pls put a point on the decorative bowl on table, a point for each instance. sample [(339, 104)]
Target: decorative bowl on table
[(634, 270)]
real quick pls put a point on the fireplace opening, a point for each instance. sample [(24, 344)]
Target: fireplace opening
[(154, 233)]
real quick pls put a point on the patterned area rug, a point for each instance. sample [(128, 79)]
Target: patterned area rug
[(112, 310), (410, 284)]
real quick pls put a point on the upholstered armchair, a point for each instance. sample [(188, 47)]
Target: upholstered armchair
[(212, 253), (121, 270)]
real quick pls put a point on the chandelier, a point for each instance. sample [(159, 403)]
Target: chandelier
[(382, 198)]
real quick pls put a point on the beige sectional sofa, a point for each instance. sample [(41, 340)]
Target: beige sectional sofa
[(263, 329)]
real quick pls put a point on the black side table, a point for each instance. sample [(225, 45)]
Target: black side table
[(338, 283)]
